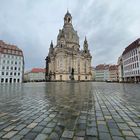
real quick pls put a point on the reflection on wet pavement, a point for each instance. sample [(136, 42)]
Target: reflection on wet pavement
[(64, 111)]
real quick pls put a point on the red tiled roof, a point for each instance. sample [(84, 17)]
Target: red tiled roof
[(10, 49), (100, 67), (113, 67), (106, 67), (37, 70), (132, 46)]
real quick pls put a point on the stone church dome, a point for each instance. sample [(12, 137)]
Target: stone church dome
[(70, 35)]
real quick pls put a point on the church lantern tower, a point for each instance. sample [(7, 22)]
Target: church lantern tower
[(68, 19)]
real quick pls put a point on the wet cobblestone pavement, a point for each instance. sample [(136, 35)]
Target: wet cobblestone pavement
[(70, 111)]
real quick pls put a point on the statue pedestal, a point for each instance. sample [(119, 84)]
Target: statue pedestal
[(72, 77)]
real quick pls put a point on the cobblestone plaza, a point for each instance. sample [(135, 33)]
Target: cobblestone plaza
[(70, 111)]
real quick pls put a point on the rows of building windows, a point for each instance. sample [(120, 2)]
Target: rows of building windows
[(12, 56), (11, 62), (131, 66), (11, 73), (130, 60), (10, 51), (11, 68), (131, 53), (136, 72), (99, 74), (9, 80)]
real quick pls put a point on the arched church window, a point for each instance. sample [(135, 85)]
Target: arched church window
[(85, 66), (78, 66), (68, 20), (61, 63), (69, 69)]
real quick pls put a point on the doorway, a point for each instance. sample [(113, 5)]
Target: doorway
[(78, 78), (60, 77)]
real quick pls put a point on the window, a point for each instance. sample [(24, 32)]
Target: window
[(6, 80), (3, 61), (18, 80), (8, 62), (3, 67), (6, 73), (7, 67), (18, 73), (2, 80), (2, 73), (133, 66), (11, 68), (15, 63), (11, 62), (18, 68), (11, 73), (10, 80), (15, 73), (15, 68)]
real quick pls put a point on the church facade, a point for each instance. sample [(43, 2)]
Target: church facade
[(65, 60)]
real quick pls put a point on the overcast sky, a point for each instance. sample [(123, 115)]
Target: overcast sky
[(109, 25)]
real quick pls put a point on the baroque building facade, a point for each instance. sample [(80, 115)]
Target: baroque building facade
[(131, 62), (11, 63), (107, 72), (65, 60)]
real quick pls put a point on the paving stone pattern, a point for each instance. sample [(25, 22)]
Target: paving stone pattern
[(70, 111)]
